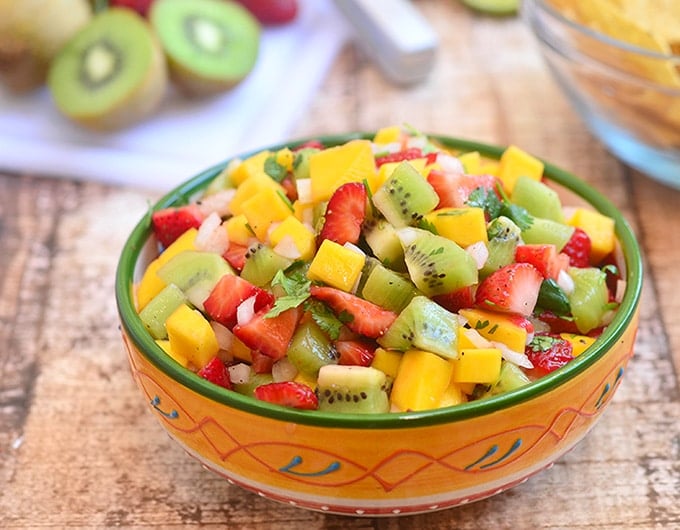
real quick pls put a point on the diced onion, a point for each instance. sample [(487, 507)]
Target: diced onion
[(287, 248), (450, 164), (304, 190), (479, 252), (515, 357), (476, 338), (239, 373), (217, 203), (283, 370), (212, 235), (225, 338), (246, 310), (565, 282)]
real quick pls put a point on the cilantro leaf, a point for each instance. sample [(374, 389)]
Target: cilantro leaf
[(296, 289), (495, 206), (275, 170), (325, 318)]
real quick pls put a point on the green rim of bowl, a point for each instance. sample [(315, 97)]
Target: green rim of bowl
[(185, 192)]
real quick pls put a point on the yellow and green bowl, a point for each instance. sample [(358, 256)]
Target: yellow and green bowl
[(383, 464)]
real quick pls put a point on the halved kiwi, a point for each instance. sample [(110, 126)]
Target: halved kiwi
[(111, 74), (211, 45)]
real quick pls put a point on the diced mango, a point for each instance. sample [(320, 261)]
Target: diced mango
[(335, 166), (238, 231), (471, 161), (499, 327), (285, 157), (421, 381), (579, 343), (191, 336), (464, 341), (336, 265), (453, 395), (264, 208), (150, 284), (303, 238), (305, 379), (251, 187), (600, 230), (465, 226), (387, 361), (304, 211), (477, 365), (165, 345), (515, 162), (388, 135), (253, 165)]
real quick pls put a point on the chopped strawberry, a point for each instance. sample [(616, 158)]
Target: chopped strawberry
[(170, 223), (140, 6), (454, 189), (272, 12), (312, 144), (513, 288), (216, 372), (456, 300), (288, 394), (356, 352), (407, 154), (223, 301), (578, 249), (345, 214), (366, 318), (557, 323), (544, 257), (261, 363), (290, 187), (548, 353), (236, 255), (269, 335)]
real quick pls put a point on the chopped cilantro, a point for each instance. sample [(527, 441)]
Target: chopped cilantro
[(325, 318), (296, 286), (494, 206), (275, 170), (428, 225)]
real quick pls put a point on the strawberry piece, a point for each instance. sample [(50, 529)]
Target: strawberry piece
[(557, 323), (345, 214), (170, 223), (456, 300), (313, 144), (513, 288), (545, 258), (269, 335), (366, 318), (548, 353), (261, 363), (407, 154), (140, 6), (216, 372), (578, 249), (355, 352), (288, 394), (454, 189), (236, 255), (272, 12), (223, 301)]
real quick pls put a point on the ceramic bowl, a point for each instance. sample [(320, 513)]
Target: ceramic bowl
[(628, 96), (383, 464)]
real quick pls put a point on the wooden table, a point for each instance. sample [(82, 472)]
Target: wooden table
[(78, 447)]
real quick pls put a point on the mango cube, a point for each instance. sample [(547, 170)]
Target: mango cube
[(253, 165), (165, 346), (335, 166), (421, 381), (465, 226), (454, 394), (600, 230), (150, 284), (477, 365), (579, 343), (387, 361), (505, 328), (251, 187), (388, 135), (472, 162), (264, 208), (336, 265), (302, 237), (514, 163), (191, 336), (238, 230)]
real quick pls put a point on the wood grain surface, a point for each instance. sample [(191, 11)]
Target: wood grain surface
[(78, 447)]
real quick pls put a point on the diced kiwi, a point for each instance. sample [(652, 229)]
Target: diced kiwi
[(424, 325), (543, 231), (352, 389), (111, 74), (159, 308), (301, 162), (590, 297), (386, 288), (405, 197), (248, 387), (510, 378), (310, 349), (382, 238), (262, 263), (504, 236), (436, 265), (538, 198), (196, 273), (211, 45)]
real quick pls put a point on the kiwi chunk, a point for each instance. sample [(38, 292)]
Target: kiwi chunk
[(436, 264), (510, 378), (111, 74), (159, 308), (405, 197), (538, 199), (310, 349), (262, 263), (423, 325), (382, 238), (547, 231), (352, 389), (504, 236), (387, 288), (211, 45), (589, 299)]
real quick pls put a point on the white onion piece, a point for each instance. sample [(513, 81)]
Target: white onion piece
[(283, 370), (476, 338), (212, 235), (304, 190), (353, 247), (217, 203), (239, 373), (565, 282), (450, 164), (479, 252), (392, 147), (225, 338), (246, 310), (287, 248), (515, 357)]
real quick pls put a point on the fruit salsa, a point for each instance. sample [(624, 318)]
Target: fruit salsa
[(382, 274)]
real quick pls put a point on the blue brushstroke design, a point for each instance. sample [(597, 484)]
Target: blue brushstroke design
[(155, 403), (513, 448), (297, 460), (608, 387), (489, 453)]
